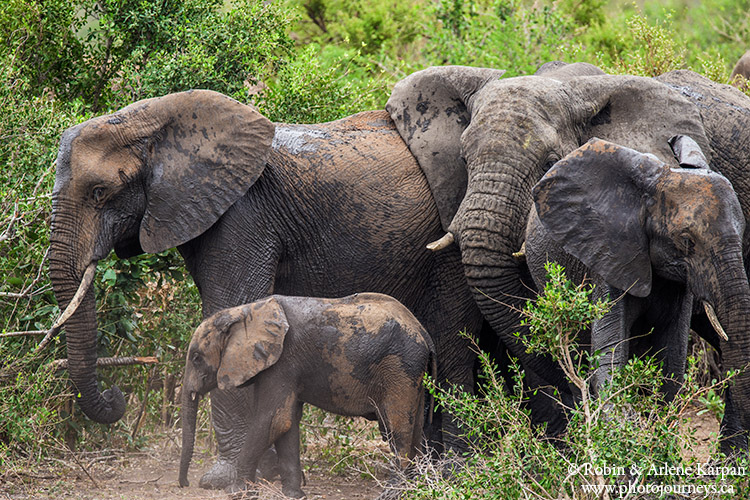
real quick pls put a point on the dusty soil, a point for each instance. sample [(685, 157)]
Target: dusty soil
[(706, 437), (152, 475)]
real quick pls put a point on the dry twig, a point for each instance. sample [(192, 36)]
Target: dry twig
[(62, 364)]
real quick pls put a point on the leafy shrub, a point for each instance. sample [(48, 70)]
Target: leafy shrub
[(611, 441), (372, 27), (650, 49), (308, 90), (217, 48), (503, 34)]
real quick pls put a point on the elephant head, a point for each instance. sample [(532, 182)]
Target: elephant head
[(511, 132), (625, 214), (227, 350), (149, 177)]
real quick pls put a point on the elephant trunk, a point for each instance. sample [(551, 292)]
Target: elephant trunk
[(733, 312), (189, 417), (489, 227), (66, 271)]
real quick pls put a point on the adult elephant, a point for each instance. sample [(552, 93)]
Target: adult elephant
[(725, 113), (321, 210), (485, 142), (651, 236)]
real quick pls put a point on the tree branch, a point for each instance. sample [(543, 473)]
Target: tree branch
[(62, 364)]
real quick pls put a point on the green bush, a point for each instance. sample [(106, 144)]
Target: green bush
[(215, 48), (611, 442), (502, 34), (311, 90)]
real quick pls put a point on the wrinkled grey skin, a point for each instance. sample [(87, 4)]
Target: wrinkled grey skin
[(254, 209), (725, 112), (362, 355), (509, 132), (651, 237)]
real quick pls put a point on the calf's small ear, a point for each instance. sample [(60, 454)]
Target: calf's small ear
[(255, 342)]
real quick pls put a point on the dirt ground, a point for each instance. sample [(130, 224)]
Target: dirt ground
[(152, 474)]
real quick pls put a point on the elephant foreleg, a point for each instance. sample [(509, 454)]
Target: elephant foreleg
[(609, 337), (223, 283), (288, 449), (734, 439), (672, 346), (230, 424)]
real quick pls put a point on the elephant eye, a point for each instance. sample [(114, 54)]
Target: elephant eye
[(686, 243), (98, 194)]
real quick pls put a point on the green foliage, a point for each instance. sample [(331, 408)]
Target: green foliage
[(584, 12), (628, 428), (218, 49), (503, 34), (372, 27), (41, 395), (652, 48), (339, 444), (134, 49), (40, 44), (306, 91), (559, 313)]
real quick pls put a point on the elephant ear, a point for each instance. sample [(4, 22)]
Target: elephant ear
[(591, 203), (431, 109), (201, 152), (254, 342), (639, 113)]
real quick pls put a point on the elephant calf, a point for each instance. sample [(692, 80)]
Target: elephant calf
[(361, 355)]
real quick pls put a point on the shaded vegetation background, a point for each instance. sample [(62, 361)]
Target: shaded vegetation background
[(64, 61)]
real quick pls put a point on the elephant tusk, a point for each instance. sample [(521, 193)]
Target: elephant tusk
[(443, 242), (88, 278), (714, 320), (520, 255)]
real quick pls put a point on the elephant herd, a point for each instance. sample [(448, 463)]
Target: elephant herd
[(640, 183)]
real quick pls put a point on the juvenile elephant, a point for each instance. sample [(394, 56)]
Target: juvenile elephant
[(362, 355), (254, 208), (651, 237)]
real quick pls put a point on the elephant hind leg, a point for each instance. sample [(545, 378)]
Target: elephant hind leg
[(402, 419), (418, 428)]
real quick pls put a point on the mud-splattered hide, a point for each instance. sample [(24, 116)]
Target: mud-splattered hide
[(234, 345), (361, 355)]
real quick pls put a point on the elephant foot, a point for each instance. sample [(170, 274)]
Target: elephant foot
[(223, 474), (293, 492)]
